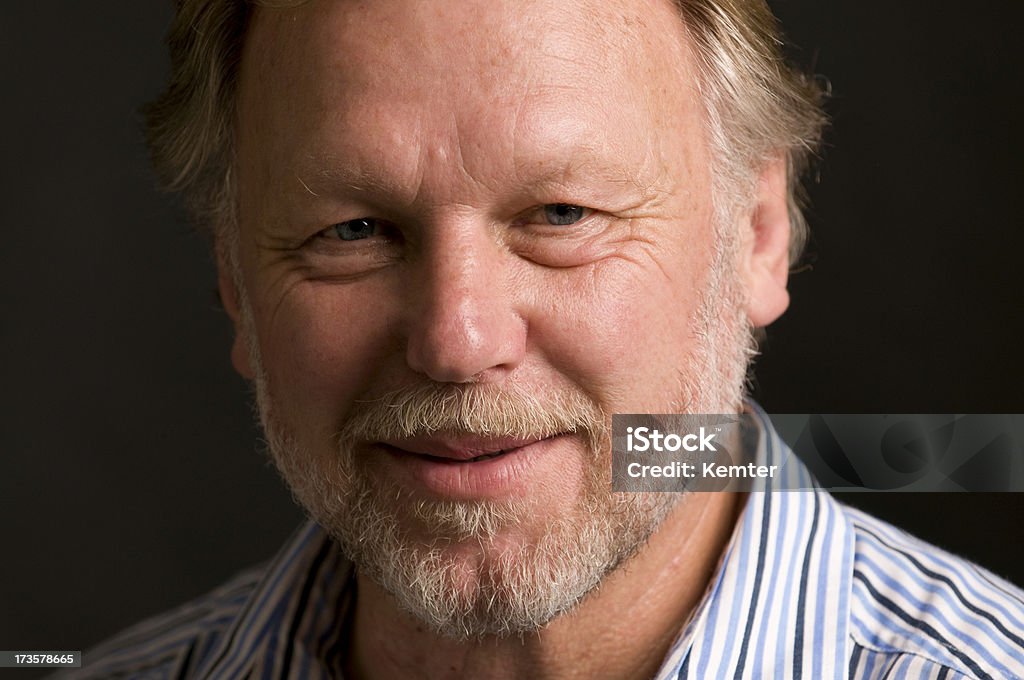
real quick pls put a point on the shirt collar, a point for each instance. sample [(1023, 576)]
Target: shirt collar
[(293, 623)]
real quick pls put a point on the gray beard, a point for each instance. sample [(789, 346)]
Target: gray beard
[(449, 563)]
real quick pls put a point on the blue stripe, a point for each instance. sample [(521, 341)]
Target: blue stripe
[(206, 646), (869, 666), (761, 548), (934, 588), (955, 566), (892, 666), (844, 568), (985, 576), (949, 582), (855, 659), (182, 621), (873, 633), (920, 625), (927, 608), (823, 584), (157, 647), (332, 643), (186, 661), (300, 608), (684, 670), (712, 625), (798, 648), (247, 621)]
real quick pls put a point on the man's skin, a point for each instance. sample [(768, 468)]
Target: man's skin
[(454, 124)]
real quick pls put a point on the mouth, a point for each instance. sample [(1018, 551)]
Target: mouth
[(475, 459), (465, 467), (442, 448)]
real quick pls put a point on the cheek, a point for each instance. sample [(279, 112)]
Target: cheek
[(625, 331), (320, 348)]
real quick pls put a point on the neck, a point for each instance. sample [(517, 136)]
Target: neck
[(622, 630)]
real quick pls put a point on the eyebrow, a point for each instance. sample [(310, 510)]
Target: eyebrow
[(585, 166), (333, 171), (591, 164)]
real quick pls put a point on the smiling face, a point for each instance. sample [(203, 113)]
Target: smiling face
[(468, 233)]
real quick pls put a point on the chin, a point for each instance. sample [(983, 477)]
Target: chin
[(475, 570)]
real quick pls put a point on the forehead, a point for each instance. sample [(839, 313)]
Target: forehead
[(445, 39), (345, 78)]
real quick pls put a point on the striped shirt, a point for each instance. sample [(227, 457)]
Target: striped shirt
[(808, 588)]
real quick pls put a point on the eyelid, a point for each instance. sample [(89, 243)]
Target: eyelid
[(384, 228), (535, 215)]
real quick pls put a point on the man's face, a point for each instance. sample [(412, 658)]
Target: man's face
[(470, 232)]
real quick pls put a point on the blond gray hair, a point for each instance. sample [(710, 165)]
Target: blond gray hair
[(758, 109)]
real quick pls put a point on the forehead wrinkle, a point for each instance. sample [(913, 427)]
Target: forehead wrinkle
[(527, 85), (534, 147), (454, 170)]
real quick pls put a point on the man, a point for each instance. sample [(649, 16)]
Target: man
[(454, 239)]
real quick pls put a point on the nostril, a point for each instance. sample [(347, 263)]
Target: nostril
[(456, 343)]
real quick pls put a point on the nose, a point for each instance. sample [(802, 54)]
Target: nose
[(463, 325)]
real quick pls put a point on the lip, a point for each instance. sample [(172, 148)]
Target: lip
[(460, 447), (444, 466)]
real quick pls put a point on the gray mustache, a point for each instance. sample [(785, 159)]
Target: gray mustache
[(511, 410)]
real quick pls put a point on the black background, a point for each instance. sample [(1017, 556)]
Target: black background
[(131, 478)]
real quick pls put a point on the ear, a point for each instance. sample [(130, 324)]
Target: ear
[(765, 262), (231, 300)]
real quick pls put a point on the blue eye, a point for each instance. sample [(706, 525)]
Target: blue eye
[(354, 230), (563, 214)]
